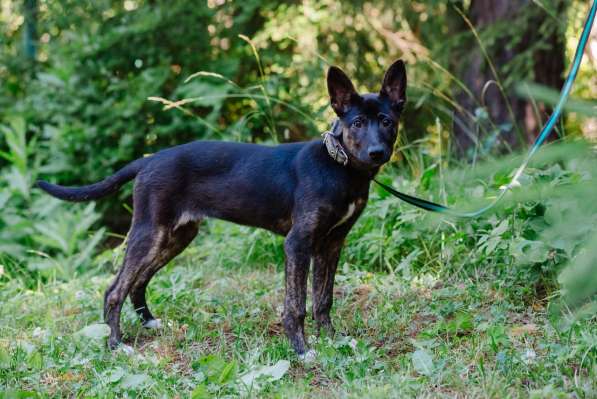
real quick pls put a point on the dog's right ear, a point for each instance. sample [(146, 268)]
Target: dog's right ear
[(341, 90)]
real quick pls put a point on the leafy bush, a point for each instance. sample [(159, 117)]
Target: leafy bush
[(40, 234)]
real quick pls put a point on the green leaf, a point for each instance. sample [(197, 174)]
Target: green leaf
[(227, 373), (17, 394), (500, 228), (422, 362), (4, 359), (50, 79), (271, 373), (26, 347), (215, 368), (461, 323), (537, 92), (95, 331), (201, 392), (526, 251), (115, 374), (35, 361), (135, 381)]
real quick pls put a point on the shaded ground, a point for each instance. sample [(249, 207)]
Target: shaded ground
[(417, 337)]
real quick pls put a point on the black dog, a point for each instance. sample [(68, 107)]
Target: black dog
[(310, 192)]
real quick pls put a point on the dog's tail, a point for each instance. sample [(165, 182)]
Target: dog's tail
[(98, 190)]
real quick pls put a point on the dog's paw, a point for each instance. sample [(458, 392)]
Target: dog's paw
[(126, 349), (154, 324), (308, 357)]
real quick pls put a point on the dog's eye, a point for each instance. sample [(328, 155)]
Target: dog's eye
[(357, 124), (386, 122)]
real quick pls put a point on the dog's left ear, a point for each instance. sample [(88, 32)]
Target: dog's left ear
[(394, 85)]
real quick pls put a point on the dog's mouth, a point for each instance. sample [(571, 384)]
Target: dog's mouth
[(376, 163), (367, 164)]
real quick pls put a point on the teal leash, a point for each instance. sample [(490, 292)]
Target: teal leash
[(545, 132)]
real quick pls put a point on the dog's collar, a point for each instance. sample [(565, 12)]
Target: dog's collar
[(333, 145)]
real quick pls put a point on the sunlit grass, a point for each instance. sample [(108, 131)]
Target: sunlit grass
[(472, 336)]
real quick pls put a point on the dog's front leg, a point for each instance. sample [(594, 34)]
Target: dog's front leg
[(325, 262), (298, 248)]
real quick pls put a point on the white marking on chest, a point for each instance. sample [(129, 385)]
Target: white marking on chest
[(347, 215), (185, 218)]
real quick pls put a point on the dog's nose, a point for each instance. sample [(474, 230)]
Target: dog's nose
[(376, 153)]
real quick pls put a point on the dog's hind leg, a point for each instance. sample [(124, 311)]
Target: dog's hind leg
[(178, 240), (146, 241)]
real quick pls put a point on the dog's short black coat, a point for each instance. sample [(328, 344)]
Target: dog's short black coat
[(296, 190)]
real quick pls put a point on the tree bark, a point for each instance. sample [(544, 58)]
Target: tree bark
[(510, 120)]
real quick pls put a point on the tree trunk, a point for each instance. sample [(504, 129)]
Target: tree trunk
[(516, 29), (30, 29)]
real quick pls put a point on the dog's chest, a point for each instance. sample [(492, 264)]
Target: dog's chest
[(347, 215), (353, 207)]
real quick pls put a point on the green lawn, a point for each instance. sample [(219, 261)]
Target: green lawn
[(473, 334)]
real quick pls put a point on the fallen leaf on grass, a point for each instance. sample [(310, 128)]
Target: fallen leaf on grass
[(269, 373), (95, 331), (114, 375), (523, 329), (135, 381)]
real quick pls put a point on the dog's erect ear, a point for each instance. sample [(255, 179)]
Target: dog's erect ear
[(394, 85), (341, 90)]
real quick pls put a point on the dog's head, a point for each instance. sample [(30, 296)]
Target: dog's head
[(369, 122)]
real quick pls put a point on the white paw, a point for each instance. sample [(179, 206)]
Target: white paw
[(308, 357), (153, 324), (126, 349)]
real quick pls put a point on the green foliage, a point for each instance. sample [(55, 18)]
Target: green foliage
[(40, 236), (497, 306), (539, 228), (86, 103)]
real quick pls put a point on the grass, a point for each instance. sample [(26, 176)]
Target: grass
[(474, 334)]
